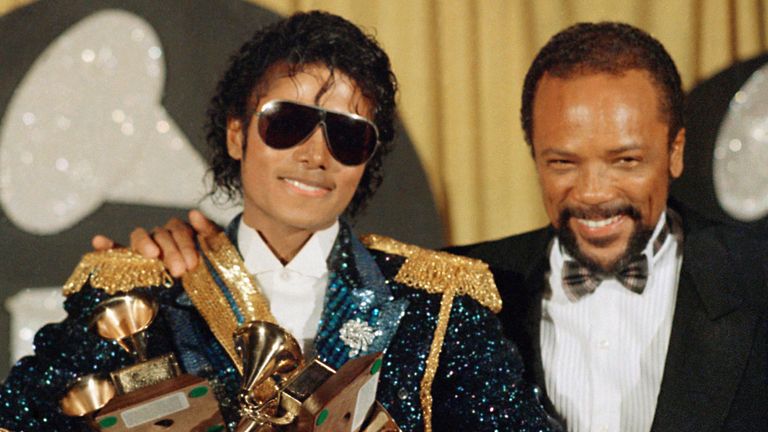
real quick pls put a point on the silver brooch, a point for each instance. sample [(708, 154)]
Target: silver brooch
[(357, 335)]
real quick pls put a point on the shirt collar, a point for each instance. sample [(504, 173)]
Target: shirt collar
[(310, 261)]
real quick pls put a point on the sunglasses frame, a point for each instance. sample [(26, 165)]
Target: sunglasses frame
[(270, 105)]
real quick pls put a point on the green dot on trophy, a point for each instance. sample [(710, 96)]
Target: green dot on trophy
[(215, 428), (376, 366), (198, 392), (107, 422), (322, 417)]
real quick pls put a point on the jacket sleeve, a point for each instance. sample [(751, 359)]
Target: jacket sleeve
[(29, 397), (479, 384)]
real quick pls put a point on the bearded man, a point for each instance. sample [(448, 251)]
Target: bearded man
[(630, 312)]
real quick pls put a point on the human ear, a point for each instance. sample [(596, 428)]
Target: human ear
[(235, 138), (676, 151)]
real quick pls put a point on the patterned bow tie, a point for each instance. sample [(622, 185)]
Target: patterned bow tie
[(579, 281)]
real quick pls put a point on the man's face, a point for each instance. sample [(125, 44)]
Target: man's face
[(604, 162), (301, 189)]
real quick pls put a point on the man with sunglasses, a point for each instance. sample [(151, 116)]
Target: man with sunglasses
[(296, 129)]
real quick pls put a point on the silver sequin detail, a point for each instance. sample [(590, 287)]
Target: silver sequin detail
[(357, 335)]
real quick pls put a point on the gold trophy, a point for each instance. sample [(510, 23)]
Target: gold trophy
[(280, 393), (149, 395), (87, 395), (125, 319), (270, 356)]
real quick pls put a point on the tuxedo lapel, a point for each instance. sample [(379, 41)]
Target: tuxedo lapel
[(709, 345), (522, 291), (536, 284)]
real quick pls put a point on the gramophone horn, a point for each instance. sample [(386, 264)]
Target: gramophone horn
[(270, 356), (266, 350), (87, 395), (124, 318)]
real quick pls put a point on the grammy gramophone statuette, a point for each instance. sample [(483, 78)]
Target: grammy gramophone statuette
[(280, 393), (125, 319), (145, 396)]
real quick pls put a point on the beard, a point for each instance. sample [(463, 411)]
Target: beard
[(635, 245)]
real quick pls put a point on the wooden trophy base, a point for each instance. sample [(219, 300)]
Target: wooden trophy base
[(183, 404)]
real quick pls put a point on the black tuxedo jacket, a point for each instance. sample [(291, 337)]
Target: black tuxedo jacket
[(716, 371)]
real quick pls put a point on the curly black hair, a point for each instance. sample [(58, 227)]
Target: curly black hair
[(301, 40), (606, 47)]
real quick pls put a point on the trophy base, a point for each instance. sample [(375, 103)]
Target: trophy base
[(344, 401), (185, 403)]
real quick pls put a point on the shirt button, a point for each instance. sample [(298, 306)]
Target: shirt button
[(285, 275), (603, 428), (604, 344)]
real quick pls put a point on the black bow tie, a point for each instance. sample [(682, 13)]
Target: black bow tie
[(579, 281)]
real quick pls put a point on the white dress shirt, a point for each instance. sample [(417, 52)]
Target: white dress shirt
[(603, 355), (295, 291)]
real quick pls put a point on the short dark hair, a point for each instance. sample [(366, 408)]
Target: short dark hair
[(303, 39), (606, 47)]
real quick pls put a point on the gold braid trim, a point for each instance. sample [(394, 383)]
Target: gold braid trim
[(214, 308), (230, 266), (439, 273), (211, 302), (433, 360), (117, 270)]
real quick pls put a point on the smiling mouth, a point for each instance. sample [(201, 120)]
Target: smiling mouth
[(600, 223), (310, 189)]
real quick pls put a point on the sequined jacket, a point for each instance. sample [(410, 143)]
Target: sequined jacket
[(470, 381)]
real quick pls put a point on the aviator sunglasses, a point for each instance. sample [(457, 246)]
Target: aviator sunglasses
[(351, 139)]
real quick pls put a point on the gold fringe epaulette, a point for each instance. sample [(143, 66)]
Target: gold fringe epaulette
[(436, 271), (117, 270), (439, 273)]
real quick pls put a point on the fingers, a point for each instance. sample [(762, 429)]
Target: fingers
[(168, 251), (143, 243), (102, 243), (174, 243), (183, 237), (202, 224)]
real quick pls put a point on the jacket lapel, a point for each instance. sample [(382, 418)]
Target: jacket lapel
[(710, 342), (522, 287), (536, 284), (359, 305)]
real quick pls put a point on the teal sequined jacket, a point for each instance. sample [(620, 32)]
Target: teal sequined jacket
[(478, 385)]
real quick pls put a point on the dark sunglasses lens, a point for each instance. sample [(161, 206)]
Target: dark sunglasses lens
[(352, 141), (282, 125)]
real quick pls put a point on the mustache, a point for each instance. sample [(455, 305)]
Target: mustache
[(568, 238), (599, 212)]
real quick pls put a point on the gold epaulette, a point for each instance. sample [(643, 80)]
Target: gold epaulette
[(117, 270), (445, 274), (436, 271)]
